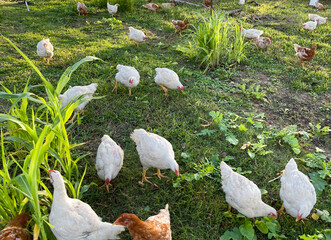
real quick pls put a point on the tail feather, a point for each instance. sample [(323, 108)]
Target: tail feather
[(225, 170), (135, 135), (296, 47)]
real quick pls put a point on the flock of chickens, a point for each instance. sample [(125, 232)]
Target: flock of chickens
[(74, 219)]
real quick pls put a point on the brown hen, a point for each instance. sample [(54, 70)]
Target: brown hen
[(15, 228), (180, 25), (207, 3), (152, 6), (305, 54), (154, 228), (263, 42), (319, 6), (82, 9)]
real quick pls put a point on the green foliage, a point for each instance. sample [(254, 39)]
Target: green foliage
[(318, 182), (318, 131), (43, 136), (267, 226), (253, 91), (216, 42), (324, 215)]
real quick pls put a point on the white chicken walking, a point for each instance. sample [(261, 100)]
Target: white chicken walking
[(45, 49), (136, 35), (109, 160), (73, 219), (297, 192), (315, 17), (243, 194), (310, 25), (128, 76), (252, 33), (154, 151), (75, 92), (166, 78), (112, 9)]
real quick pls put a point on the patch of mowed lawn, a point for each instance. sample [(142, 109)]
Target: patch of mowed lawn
[(197, 206)]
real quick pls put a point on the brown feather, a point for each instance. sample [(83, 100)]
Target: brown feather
[(15, 228)]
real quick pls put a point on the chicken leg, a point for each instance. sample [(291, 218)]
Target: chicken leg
[(73, 118), (281, 210), (164, 89), (129, 92), (144, 178), (116, 86), (107, 186), (159, 174)]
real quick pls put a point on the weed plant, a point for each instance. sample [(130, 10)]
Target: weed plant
[(42, 134), (216, 41)]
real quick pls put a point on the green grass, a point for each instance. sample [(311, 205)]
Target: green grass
[(295, 96)]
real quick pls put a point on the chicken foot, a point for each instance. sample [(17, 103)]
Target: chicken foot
[(107, 186), (144, 178), (281, 210), (116, 86), (73, 118), (164, 89), (159, 174)]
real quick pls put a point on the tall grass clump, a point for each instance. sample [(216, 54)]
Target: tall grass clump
[(36, 127), (216, 42)]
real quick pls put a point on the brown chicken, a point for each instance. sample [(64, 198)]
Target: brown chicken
[(82, 9), (305, 54), (15, 228), (319, 6), (180, 25), (207, 3), (152, 6), (154, 228), (263, 42)]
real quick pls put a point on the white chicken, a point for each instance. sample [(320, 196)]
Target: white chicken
[(128, 76), (167, 78), (252, 33), (45, 49), (241, 2), (167, 5), (109, 160), (112, 9), (243, 194), (296, 191), (73, 219), (315, 17), (136, 35), (154, 151), (75, 92), (310, 25)]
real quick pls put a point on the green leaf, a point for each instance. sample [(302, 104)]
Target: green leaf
[(261, 226), (23, 184), (251, 154), (296, 150), (242, 127), (247, 230), (325, 215), (205, 132), (231, 138), (318, 182), (235, 235), (67, 73)]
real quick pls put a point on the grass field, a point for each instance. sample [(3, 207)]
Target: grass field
[(269, 93)]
